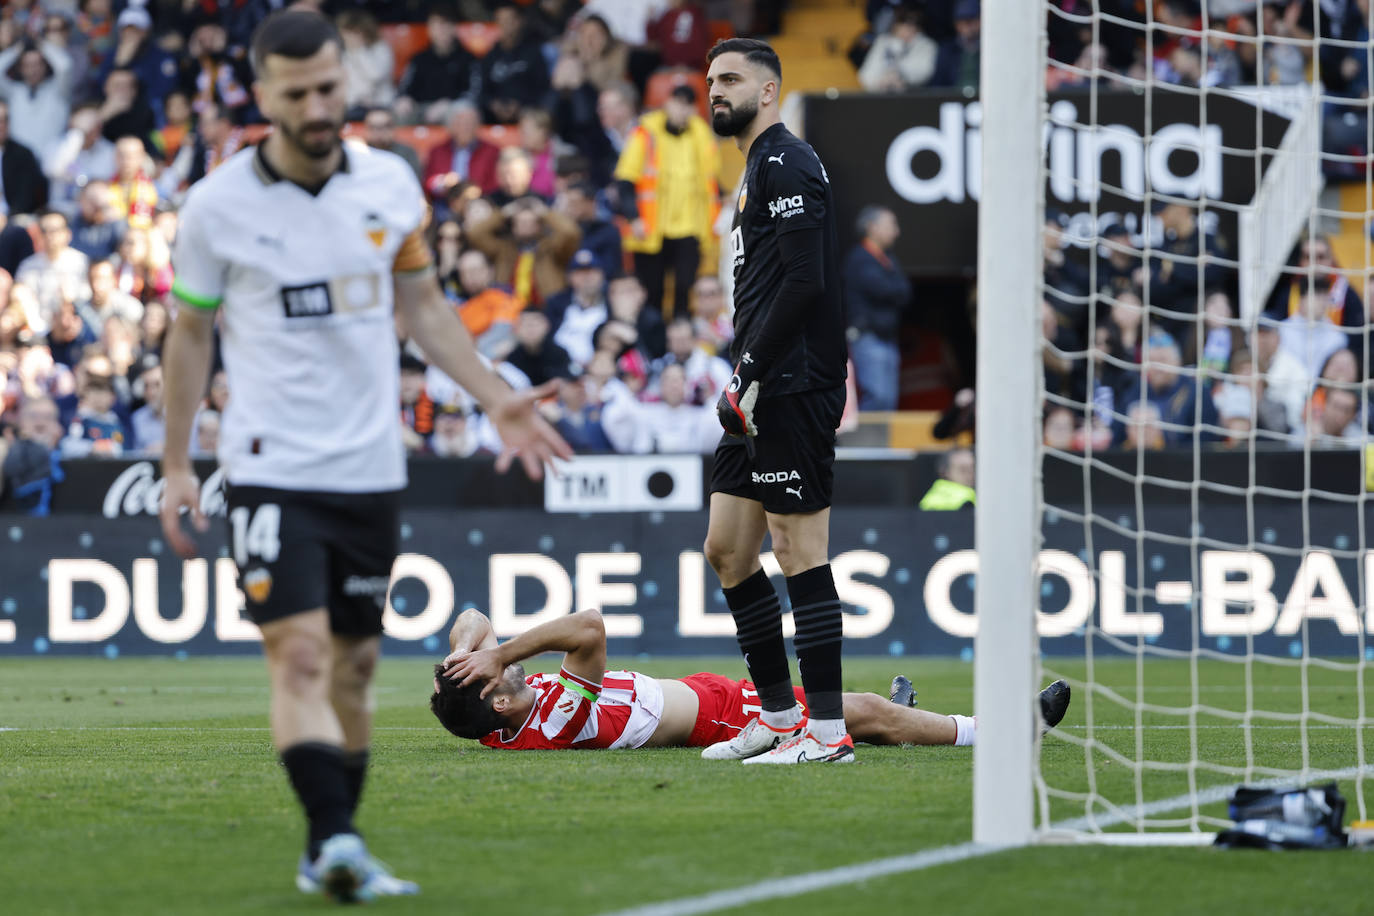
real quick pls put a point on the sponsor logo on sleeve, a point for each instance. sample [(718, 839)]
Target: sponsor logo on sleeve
[(786, 206)]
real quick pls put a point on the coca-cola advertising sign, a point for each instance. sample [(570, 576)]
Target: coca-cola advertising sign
[(138, 491)]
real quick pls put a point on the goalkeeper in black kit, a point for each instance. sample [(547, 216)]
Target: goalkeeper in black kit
[(774, 467)]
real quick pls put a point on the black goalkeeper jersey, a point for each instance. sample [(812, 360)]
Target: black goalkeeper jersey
[(786, 189)]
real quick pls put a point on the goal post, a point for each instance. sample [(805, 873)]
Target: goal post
[(1012, 89), (1174, 486)]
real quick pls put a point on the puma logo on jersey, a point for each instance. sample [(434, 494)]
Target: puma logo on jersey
[(778, 157), (786, 206), (776, 477), (796, 492), (747, 359)]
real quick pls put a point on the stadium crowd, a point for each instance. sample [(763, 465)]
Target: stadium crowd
[(577, 217)]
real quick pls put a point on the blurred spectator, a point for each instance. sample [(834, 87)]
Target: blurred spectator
[(153, 328), (669, 190), (143, 266), (212, 76), (615, 112), (133, 195), (442, 72), (97, 229), (714, 327), (25, 186), (463, 156), (205, 440), (454, 434), (1060, 343), (15, 245), (1244, 402), (137, 51), (1309, 333), (513, 74), (1285, 375), (379, 130), (599, 236), (576, 312), (577, 417), (1332, 419), (673, 425), (448, 246), (537, 140), (572, 102), (514, 173), (35, 81), (125, 110), (367, 61), (148, 423), (531, 247), (1066, 280), (176, 125), (218, 398), (877, 292), (681, 34), (628, 301), (1313, 260), (605, 59), (106, 299), (417, 409), (1143, 427), (31, 466), (96, 429), (707, 375), (1058, 428), (535, 353), (1193, 262), (902, 58), (488, 312), (1181, 399), (72, 331), (957, 64), (82, 155), (1118, 262), (214, 141), (55, 273), (953, 487)]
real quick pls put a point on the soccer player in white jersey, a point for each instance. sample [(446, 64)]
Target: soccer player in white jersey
[(303, 248), (481, 691)]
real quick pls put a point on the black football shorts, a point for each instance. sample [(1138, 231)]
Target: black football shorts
[(297, 551), (789, 466)]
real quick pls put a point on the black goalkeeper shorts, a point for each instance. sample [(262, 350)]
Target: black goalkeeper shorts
[(789, 466), (298, 551)]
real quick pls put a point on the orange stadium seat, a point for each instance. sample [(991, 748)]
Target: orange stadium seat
[(499, 134), (477, 37), (406, 40), (721, 28), (663, 82)]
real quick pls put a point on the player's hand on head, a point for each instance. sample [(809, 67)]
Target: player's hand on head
[(468, 667), (181, 491), (525, 433)]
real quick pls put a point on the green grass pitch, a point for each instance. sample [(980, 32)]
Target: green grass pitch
[(149, 786)]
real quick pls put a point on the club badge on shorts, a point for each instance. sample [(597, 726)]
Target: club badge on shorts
[(257, 585)]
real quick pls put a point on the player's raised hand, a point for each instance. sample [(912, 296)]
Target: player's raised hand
[(181, 490), (526, 434), (482, 665)]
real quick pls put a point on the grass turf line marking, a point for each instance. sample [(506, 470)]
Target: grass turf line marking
[(803, 883)]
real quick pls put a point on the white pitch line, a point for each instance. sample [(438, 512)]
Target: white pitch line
[(793, 885)]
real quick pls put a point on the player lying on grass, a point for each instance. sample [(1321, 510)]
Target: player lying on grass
[(481, 691)]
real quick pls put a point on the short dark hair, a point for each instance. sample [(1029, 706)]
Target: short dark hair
[(686, 93), (462, 710), (755, 51), (293, 33)]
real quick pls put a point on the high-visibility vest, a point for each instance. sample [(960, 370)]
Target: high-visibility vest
[(651, 132), (946, 495)]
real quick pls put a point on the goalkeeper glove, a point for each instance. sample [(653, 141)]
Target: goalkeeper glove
[(736, 405)]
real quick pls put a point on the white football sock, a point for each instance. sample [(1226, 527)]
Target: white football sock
[(787, 718), (965, 730), (827, 731)]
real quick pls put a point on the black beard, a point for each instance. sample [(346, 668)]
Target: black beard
[(297, 139), (734, 121)]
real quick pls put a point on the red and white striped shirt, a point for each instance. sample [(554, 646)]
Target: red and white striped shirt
[(573, 712)]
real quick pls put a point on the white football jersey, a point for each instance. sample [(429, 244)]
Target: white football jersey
[(303, 282)]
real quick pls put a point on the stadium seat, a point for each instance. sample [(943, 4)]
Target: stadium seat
[(663, 82), (499, 134), (477, 37), (721, 29), (406, 40)]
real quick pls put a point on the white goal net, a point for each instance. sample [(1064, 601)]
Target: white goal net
[(1207, 577)]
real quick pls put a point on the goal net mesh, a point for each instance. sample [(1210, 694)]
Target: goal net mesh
[(1205, 560)]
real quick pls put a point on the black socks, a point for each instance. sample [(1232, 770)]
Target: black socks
[(758, 628), (322, 783), (820, 629)]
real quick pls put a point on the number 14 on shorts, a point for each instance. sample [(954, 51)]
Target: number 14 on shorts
[(256, 533)]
